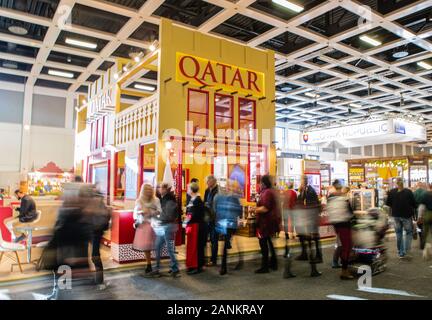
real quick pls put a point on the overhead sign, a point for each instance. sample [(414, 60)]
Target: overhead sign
[(101, 97), (385, 131), (203, 72)]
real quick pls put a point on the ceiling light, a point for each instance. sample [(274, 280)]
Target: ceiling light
[(307, 116), (154, 46), (60, 73), (137, 59), (10, 64), (312, 95), (400, 54), (125, 69), (19, 30), (355, 105), (69, 59), (289, 5), (144, 87), (286, 89), (335, 100), (371, 41), (424, 65), (116, 76), (79, 43)]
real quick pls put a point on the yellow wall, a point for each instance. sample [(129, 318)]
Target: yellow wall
[(173, 95), (82, 117)]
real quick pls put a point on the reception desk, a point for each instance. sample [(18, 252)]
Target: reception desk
[(122, 237)]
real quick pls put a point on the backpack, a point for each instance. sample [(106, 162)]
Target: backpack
[(338, 210)]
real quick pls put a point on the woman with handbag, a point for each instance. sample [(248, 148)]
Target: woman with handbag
[(147, 207)]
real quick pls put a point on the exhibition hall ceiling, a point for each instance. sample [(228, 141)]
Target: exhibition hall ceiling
[(336, 60)]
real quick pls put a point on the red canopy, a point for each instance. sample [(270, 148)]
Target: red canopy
[(51, 167)]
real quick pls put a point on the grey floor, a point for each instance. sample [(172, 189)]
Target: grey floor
[(402, 280)]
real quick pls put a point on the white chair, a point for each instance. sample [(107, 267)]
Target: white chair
[(8, 249)]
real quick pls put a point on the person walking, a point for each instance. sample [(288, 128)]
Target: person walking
[(195, 232), (229, 210), (289, 201), (147, 207), (165, 227), (307, 212), (419, 193), (73, 232), (101, 216), (210, 217), (340, 215), (268, 220), (425, 220), (402, 204)]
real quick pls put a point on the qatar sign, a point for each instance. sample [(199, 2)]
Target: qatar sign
[(216, 75)]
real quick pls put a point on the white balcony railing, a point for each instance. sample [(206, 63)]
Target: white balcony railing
[(137, 122)]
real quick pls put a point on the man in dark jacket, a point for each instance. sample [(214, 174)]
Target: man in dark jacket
[(27, 214), (402, 203), (308, 208), (210, 193), (165, 228), (101, 216)]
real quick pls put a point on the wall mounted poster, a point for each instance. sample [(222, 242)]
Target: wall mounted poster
[(131, 178), (237, 172)]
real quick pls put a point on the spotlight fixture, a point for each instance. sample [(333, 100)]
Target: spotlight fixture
[(370, 40), (424, 65), (80, 43), (289, 5), (144, 87), (312, 95), (154, 46), (17, 29), (400, 54)]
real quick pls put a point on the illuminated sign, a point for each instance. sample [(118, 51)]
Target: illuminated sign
[(203, 72), (384, 131)]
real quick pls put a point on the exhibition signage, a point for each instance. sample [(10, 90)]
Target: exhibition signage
[(213, 74), (385, 131)]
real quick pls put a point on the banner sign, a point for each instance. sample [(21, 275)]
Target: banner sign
[(384, 131), (203, 72)]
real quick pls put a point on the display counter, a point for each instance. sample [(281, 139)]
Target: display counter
[(122, 237)]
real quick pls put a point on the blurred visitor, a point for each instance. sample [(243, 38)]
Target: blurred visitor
[(210, 217), (289, 201), (340, 215), (268, 221), (228, 211), (306, 222), (425, 220), (73, 231), (101, 216), (2, 193), (147, 207), (419, 192), (402, 204), (195, 232), (165, 227), (307, 214)]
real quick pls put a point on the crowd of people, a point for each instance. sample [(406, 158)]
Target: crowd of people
[(158, 219)]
